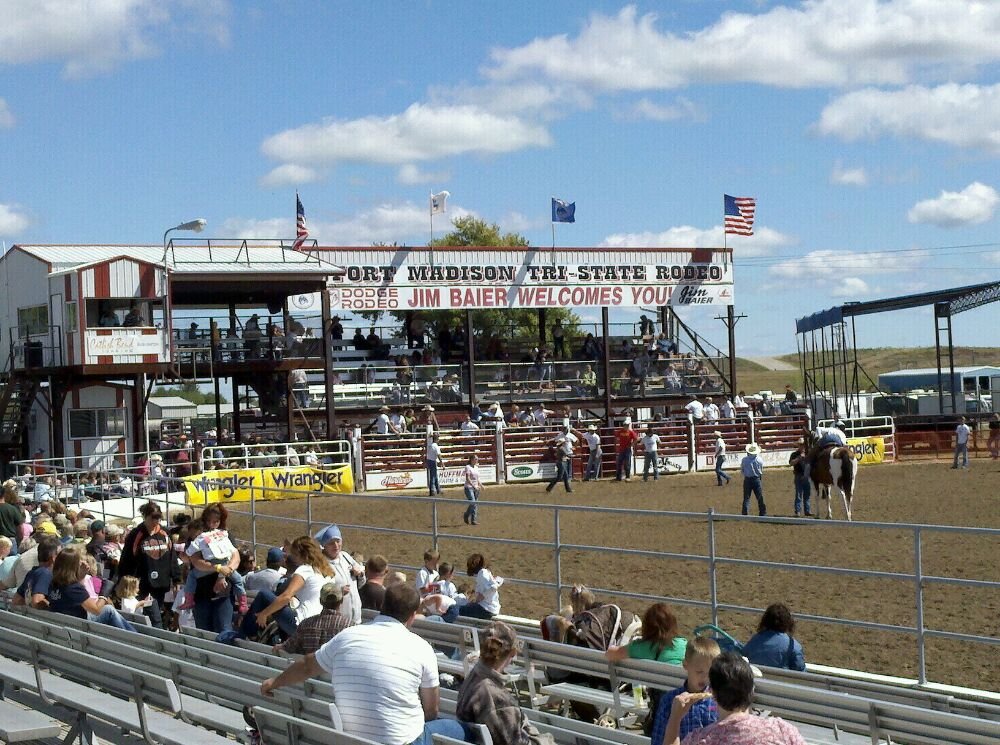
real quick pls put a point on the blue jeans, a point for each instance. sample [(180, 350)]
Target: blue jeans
[(475, 610), (111, 617), (593, 471), (285, 617), (448, 727), (623, 464), (649, 460), (753, 484), (472, 511), (962, 451), (721, 475), (432, 477), (214, 615), (563, 467), (802, 493)]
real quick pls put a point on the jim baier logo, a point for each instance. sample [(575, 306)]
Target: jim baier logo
[(692, 295)]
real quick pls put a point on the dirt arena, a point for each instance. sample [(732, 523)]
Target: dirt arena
[(928, 493)]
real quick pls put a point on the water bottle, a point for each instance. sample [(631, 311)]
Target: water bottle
[(639, 693)]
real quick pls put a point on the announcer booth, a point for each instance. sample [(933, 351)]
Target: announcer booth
[(414, 279)]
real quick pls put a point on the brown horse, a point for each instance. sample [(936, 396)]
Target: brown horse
[(834, 466)]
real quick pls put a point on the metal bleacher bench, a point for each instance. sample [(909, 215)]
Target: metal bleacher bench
[(18, 724), (275, 727), (137, 702)]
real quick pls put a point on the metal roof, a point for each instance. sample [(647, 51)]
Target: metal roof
[(976, 369), (196, 257), (172, 402)]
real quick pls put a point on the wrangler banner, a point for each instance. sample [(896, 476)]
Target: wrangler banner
[(867, 449), (267, 483)]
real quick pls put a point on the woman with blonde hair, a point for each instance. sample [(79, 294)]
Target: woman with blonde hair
[(308, 572), (484, 697), (68, 595)]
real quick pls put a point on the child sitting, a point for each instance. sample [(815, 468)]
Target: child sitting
[(214, 546), (443, 598), (428, 573), (698, 657), (125, 593)]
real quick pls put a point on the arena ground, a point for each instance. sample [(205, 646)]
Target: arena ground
[(929, 493)]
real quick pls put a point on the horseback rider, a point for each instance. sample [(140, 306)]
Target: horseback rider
[(822, 438)]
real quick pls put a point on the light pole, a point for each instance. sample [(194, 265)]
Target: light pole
[(195, 226)]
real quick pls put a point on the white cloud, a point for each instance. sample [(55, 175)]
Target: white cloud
[(386, 223), (12, 220), (90, 37), (548, 100), (848, 176), (960, 115), (682, 108), (686, 236), (975, 204), (817, 43), (849, 287), (290, 174), (410, 175), (6, 116), (422, 132)]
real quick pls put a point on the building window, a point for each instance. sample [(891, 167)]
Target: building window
[(89, 424), (70, 317), (33, 321)]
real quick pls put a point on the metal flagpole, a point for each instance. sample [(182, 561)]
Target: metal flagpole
[(553, 224)]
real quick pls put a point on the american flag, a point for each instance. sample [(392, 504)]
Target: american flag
[(301, 232), (739, 214)]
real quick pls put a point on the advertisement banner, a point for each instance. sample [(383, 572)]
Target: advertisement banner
[(417, 479), (267, 483), (404, 278), (531, 472), (867, 449), (706, 462)]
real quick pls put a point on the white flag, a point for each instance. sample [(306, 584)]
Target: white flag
[(439, 202)]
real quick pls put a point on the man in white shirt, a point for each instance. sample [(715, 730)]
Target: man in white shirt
[(563, 443), (720, 460), (740, 403), (711, 412), (962, 432), (540, 414), (432, 462), (383, 425), (728, 410), (650, 444), (696, 409), (595, 454), (468, 426), (385, 677)]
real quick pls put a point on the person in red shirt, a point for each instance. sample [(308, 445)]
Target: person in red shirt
[(625, 439)]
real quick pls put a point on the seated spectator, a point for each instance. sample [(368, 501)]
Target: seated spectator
[(68, 595), (698, 657), (127, 592), (133, 317), (34, 588), (731, 680), (359, 340), (484, 697), (312, 572), (372, 592), (773, 645), (7, 561), (315, 631), (485, 600), (269, 577)]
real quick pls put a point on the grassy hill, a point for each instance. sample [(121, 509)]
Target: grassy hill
[(752, 377)]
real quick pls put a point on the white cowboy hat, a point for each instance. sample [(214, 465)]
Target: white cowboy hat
[(428, 407), (592, 428), (717, 433), (753, 449)]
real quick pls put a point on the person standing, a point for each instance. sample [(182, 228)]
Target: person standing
[(625, 439), (563, 443), (433, 461), (558, 340), (11, 515), (962, 432), (994, 442), (650, 445), (385, 677), (346, 571), (753, 473), (595, 454), (696, 409), (473, 488), (798, 462), (720, 460)]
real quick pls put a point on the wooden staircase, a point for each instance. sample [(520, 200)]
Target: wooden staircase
[(16, 396)]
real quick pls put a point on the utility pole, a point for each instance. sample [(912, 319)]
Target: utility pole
[(731, 319)]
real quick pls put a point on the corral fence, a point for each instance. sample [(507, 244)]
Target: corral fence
[(525, 454), (923, 437)]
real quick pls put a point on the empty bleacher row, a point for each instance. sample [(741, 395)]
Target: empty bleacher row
[(182, 688)]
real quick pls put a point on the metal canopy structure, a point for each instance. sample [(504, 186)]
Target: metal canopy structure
[(828, 351)]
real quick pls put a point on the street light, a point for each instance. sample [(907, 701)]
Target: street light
[(195, 226)]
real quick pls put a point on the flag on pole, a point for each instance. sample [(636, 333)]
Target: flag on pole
[(739, 213), (439, 202), (301, 232), (563, 211)]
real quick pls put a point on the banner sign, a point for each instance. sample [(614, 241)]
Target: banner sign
[(417, 479), (123, 342), (867, 449), (420, 278), (267, 483)]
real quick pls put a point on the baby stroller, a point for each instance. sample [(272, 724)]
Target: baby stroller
[(726, 642)]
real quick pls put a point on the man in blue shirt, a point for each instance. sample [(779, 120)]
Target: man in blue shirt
[(753, 472)]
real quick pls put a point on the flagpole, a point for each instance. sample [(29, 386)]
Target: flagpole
[(553, 226)]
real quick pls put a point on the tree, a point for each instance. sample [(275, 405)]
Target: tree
[(191, 392), (506, 324)]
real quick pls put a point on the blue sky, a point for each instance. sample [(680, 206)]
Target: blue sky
[(868, 132)]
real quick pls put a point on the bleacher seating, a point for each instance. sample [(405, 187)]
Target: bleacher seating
[(18, 724)]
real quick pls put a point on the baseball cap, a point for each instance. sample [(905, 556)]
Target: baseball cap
[(329, 592), (47, 527), (329, 533), (113, 531), (275, 555), (97, 526)]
